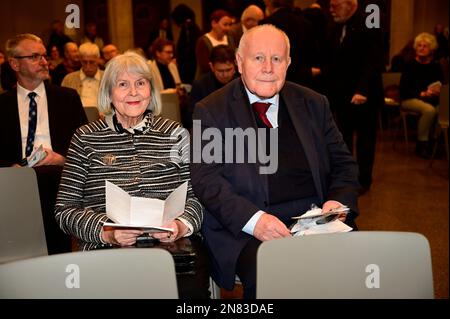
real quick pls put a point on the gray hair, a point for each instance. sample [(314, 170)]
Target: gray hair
[(428, 38), (263, 28), (13, 43), (128, 62), (89, 49)]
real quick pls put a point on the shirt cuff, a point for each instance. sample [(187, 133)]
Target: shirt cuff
[(250, 226), (188, 225)]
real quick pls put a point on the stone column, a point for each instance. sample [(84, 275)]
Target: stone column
[(402, 24), (120, 20)]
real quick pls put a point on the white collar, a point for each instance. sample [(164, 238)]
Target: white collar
[(254, 98), (23, 92), (84, 76)]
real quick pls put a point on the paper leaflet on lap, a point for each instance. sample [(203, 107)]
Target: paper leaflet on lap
[(147, 214), (315, 221)]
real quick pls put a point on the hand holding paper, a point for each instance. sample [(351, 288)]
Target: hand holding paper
[(147, 214)]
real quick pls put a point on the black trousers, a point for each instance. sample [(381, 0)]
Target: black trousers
[(192, 282), (362, 120)]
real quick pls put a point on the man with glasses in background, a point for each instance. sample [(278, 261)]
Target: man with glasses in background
[(36, 114)]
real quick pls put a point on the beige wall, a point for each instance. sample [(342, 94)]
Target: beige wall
[(28, 16)]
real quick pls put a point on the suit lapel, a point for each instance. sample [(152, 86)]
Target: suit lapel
[(244, 118), (12, 106), (51, 110), (300, 119)]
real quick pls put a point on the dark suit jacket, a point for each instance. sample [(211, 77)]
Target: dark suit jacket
[(65, 115), (356, 64), (232, 193)]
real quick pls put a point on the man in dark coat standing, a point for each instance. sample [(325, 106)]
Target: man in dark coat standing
[(353, 73)]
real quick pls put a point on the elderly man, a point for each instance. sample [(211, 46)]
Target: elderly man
[(245, 205), (87, 80), (34, 114), (109, 51), (250, 18), (71, 63), (353, 71)]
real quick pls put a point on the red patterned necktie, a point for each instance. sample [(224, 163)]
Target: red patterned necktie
[(261, 109)]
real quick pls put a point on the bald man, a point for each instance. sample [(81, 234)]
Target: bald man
[(245, 204)]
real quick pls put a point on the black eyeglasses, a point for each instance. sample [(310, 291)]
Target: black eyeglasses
[(35, 57)]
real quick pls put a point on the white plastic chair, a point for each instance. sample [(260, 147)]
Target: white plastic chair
[(22, 233), (125, 273), (354, 265)]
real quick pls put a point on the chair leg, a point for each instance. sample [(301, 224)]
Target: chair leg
[(446, 142), (214, 288), (405, 130)]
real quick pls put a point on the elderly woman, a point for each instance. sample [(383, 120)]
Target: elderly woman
[(134, 148), (419, 88), (144, 154)]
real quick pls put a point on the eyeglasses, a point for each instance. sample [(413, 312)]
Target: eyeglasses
[(35, 57)]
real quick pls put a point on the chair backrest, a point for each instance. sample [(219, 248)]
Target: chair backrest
[(136, 273), (170, 106), (92, 113), (391, 78), (443, 106), (22, 232), (346, 265)]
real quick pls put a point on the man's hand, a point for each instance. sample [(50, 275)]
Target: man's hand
[(332, 204), (269, 227), (358, 99), (52, 158)]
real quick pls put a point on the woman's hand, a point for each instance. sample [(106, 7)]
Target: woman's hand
[(179, 230), (121, 237)]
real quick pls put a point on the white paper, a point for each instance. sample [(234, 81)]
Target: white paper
[(37, 155), (315, 221), (131, 211)]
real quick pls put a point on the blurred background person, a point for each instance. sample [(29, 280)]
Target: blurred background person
[(54, 58), (184, 18), (417, 92), (90, 35), (250, 18), (164, 69), (70, 63), (86, 81), (57, 37), (109, 51), (222, 70), (221, 22)]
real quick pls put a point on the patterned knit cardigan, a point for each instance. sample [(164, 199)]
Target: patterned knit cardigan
[(150, 164)]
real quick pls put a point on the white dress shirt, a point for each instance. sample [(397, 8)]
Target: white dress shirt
[(42, 126), (89, 88), (272, 116)]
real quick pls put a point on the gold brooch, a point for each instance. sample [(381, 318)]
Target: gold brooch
[(109, 159)]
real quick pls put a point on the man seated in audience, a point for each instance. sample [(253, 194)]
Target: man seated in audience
[(37, 113), (167, 78), (223, 70), (87, 80), (71, 63), (109, 51), (247, 201)]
